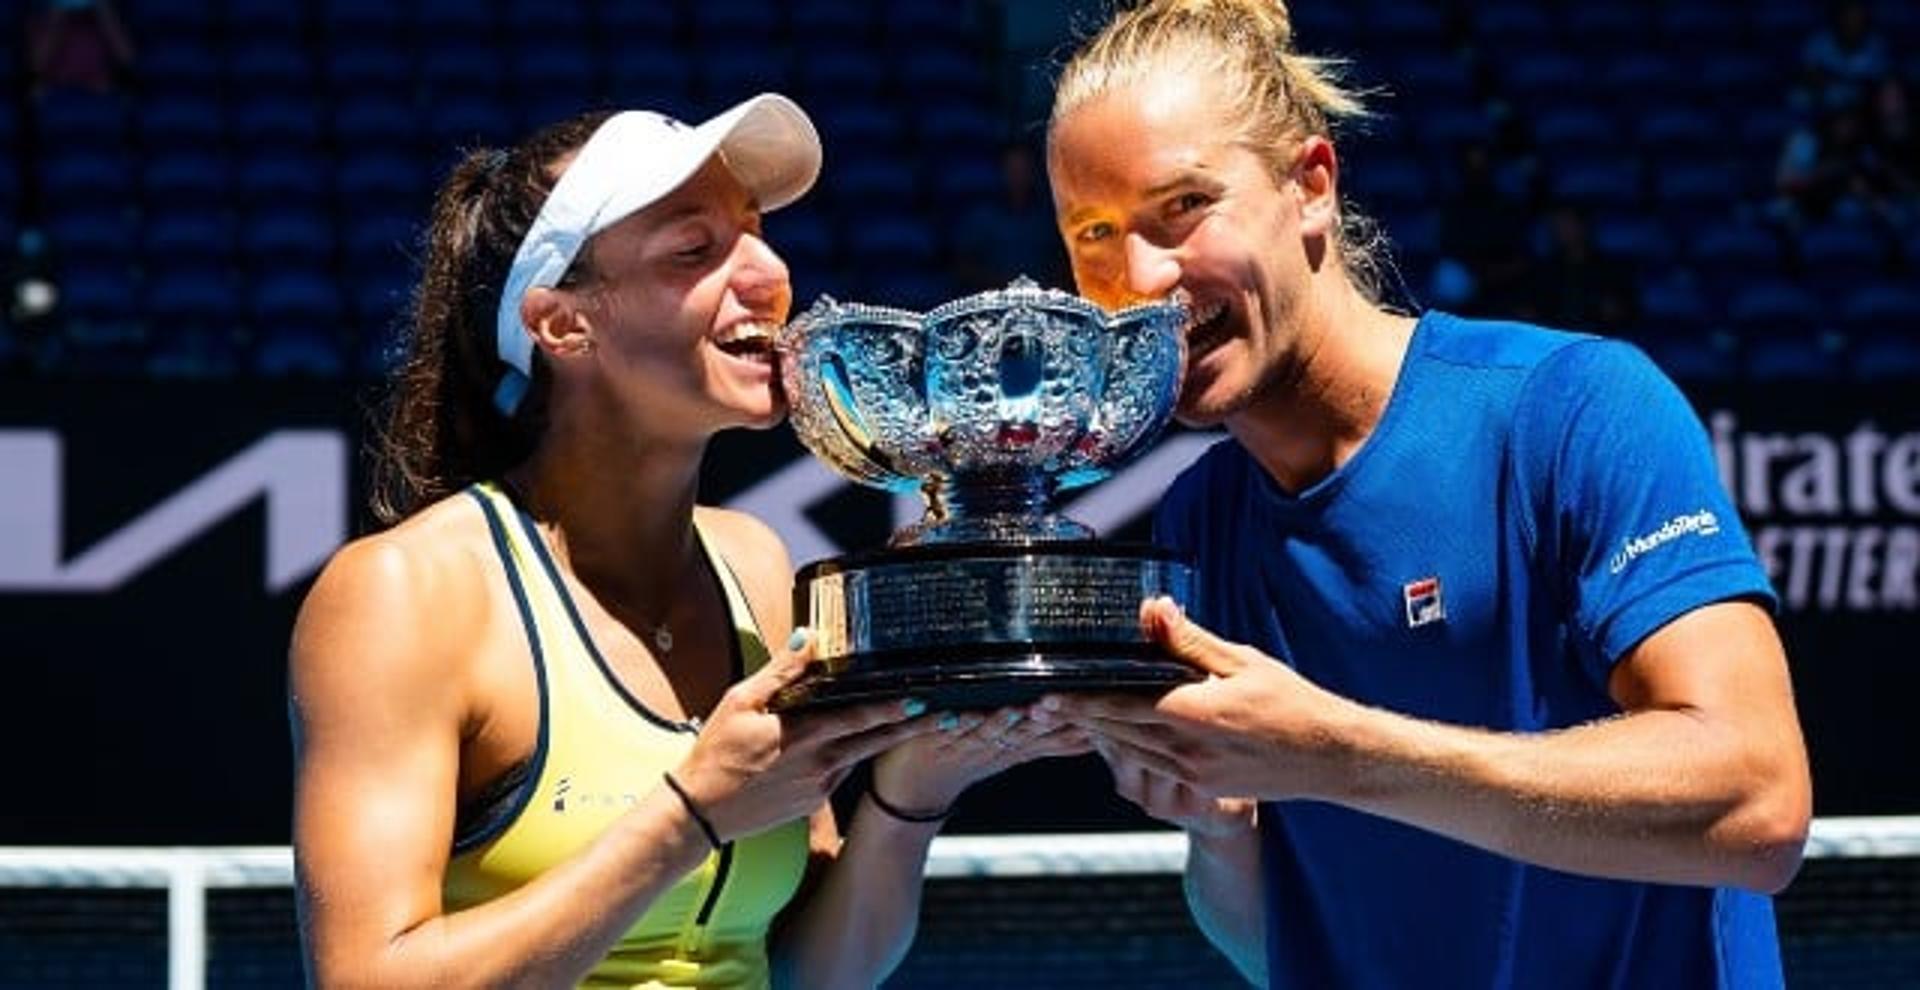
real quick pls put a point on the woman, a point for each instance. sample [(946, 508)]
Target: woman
[(531, 724)]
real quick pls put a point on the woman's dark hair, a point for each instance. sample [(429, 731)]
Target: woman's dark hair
[(439, 429)]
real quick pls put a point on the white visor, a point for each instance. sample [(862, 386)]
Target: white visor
[(631, 161)]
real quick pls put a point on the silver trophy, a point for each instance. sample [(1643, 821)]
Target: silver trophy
[(989, 406)]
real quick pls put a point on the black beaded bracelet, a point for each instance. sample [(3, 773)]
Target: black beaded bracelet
[(906, 816), (693, 810)]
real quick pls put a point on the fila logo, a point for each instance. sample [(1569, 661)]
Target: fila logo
[(1423, 602)]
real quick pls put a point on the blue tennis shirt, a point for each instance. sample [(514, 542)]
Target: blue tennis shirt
[(1531, 505)]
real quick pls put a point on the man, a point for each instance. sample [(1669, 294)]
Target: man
[(1488, 643)]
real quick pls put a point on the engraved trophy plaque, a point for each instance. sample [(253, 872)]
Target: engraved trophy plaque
[(989, 406)]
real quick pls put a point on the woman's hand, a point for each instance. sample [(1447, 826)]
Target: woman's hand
[(751, 769), (925, 774)]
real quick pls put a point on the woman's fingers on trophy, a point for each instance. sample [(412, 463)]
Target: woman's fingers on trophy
[(781, 670)]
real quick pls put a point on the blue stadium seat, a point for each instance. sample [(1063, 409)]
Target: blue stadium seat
[(1774, 306), (274, 236), (264, 18), (294, 295), (829, 22), (1648, 74), (255, 67), (178, 65), (1406, 24), (82, 176), (202, 235), (651, 77), (91, 290), (378, 298), (802, 236), (473, 122), (1508, 23), (966, 178), (382, 241), (299, 349), (1395, 184), (1888, 306), (281, 177), (1806, 354), (1605, 26), (1734, 251), (736, 22), (357, 24), (367, 69), (454, 69), (73, 117), (1885, 355), (555, 68), (103, 233), (864, 185), (373, 122), (1697, 357), (837, 72), (1675, 305), (1447, 127), (1839, 253), (528, 21), (440, 22), (205, 351), (1599, 184), (189, 176), (182, 122), (1635, 236), (732, 75), (944, 76), (927, 24), (1683, 129), (1431, 79), (375, 175), (949, 129), (1574, 129), (272, 120), (858, 126), (643, 24), (185, 292), (890, 245), (1545, 72)]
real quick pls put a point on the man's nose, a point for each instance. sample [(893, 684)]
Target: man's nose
[(1152, 271)]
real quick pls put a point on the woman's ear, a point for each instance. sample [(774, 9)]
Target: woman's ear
[(558, 327)]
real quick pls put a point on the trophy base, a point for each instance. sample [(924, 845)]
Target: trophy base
[(974, 682), (972, 625)]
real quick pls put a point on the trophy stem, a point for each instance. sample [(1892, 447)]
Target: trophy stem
[(990, 506)]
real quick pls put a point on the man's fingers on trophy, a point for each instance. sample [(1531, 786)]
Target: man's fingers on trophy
[(1150, 759), (1081, 709), (1162, 621), (849, 750)]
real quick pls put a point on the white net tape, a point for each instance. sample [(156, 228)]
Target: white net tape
[(187, 873)]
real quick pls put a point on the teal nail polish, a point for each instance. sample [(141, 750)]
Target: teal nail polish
[(914, 707), (797, 640), (948, 722), (1011, 718)]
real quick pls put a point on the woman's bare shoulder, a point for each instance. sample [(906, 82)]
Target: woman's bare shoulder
[(408, 594)]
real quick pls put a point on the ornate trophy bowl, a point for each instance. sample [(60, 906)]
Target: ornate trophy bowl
[(990, 406)]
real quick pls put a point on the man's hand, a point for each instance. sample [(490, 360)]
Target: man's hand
[(1253, 729)]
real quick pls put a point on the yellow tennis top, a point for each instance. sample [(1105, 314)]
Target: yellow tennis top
[(599, 749)]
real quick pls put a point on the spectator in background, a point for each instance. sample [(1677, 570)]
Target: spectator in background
[(1012, 234), (1896, 133), (1484, 263), (1844, 61), (1576, 284), (1834, 166), (79, 44)]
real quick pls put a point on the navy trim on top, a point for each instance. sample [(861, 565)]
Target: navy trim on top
[(495, 812), (593, 649)]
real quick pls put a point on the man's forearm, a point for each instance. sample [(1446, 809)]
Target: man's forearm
[(1665, 796)]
